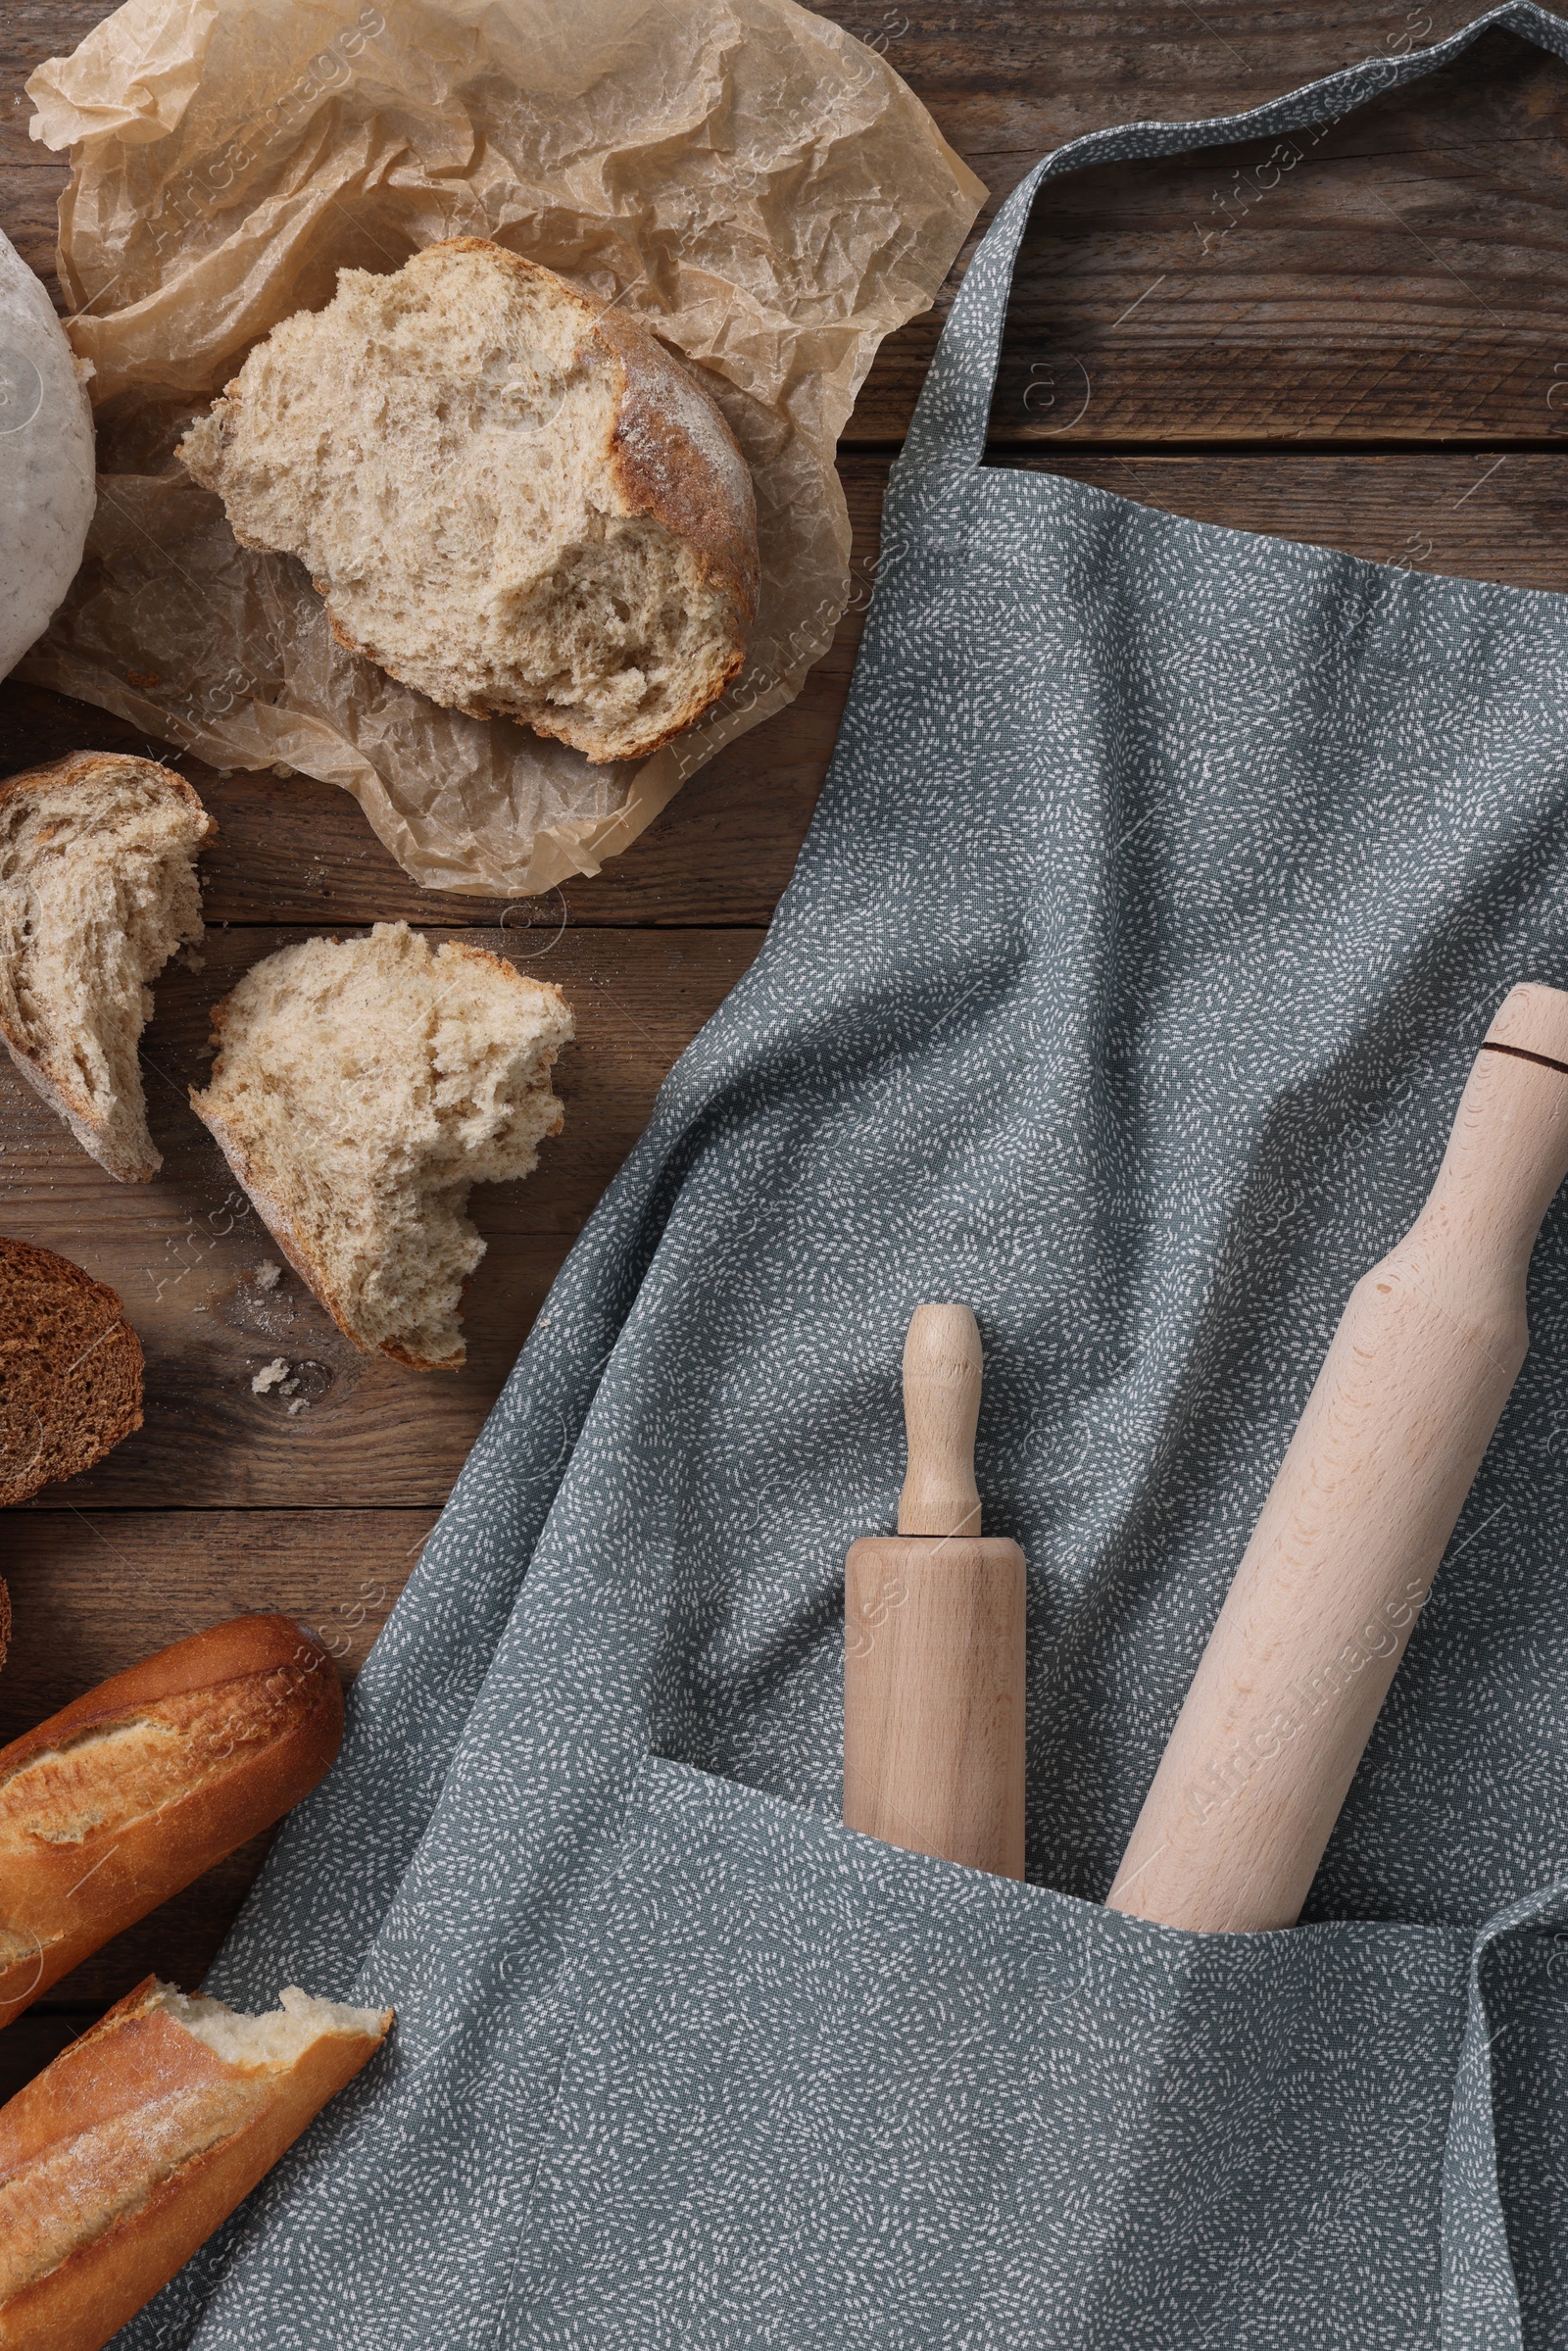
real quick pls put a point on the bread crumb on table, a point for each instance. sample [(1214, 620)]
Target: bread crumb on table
[(270, 1376), (267, 1274)]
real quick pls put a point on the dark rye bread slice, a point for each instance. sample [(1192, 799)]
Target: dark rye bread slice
[(71, 1370)]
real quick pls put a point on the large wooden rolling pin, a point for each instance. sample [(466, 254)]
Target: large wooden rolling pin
[(1351, 1537), (934, 1635)]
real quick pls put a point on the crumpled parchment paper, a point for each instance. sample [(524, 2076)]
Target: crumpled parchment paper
[(754, 183)]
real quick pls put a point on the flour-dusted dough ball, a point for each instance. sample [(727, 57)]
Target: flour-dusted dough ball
[(47, 485)]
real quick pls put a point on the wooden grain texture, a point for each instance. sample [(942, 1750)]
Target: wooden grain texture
[(1360, 1514), (934, 1698), (942, 1377), (1470, 515), (183, 1250), (94, 1592), (1396, 274), (1403, 274)]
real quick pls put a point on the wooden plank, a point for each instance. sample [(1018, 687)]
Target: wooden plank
[(1469, 515), (1400, 275), (84, 1607), (183, 1250), (87, 1603), (291, 850), (1404, 277)]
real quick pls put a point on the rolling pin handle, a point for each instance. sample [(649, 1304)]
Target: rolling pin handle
[(941, 1373)]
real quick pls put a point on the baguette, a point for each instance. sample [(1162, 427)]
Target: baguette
[(125, 1796), (122, 2158)]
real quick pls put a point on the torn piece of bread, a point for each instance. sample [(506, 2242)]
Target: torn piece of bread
[(120, 2158), (71, 1370), (512, 497), (97, 889), (362, 1085)]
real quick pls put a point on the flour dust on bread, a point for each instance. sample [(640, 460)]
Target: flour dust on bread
[(510, 496), (362, 1085), (122, 2157), (98, 889), (46, 440)]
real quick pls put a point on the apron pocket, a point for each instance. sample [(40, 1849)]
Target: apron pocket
[(822, 2092)]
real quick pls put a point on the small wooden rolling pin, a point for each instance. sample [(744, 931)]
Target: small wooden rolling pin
[(1351, 1537), (934, 1635)]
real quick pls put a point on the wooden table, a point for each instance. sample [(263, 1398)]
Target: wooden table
[(1369, 350)]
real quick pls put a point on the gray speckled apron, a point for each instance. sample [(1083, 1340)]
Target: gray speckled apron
[(1162, 887)]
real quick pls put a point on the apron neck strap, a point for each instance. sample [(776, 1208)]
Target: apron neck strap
[(954, 409)]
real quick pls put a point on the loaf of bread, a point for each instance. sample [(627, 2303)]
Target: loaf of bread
[(364, 1085), (510, 496), (122, 2158), (97, 889), (120, 1799), (50, 482), (71, 1370)]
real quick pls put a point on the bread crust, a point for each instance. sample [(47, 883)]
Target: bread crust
[(72, 1106), (137, 2054), (689, 475), (66, 1352), (278, 1709), (295, 1247)]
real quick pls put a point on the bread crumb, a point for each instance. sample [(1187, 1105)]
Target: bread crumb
[(301, 1403), (269, 1274), (269, 1376)]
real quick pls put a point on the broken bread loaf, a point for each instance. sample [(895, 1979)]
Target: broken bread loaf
[(97, 889), (71, 1370), (120, 2158), (510, 496), (362, 1085)]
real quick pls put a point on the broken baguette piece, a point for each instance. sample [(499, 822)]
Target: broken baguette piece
[(97, 889), (362, 1085), (120, 2158), (128, 1794)]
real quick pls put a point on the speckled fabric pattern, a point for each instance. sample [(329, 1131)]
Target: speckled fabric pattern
[(1164, 886)]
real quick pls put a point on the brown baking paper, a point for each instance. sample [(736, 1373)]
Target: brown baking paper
[(759, 187)]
